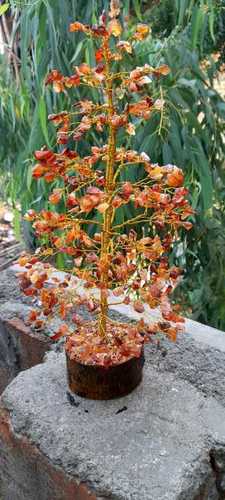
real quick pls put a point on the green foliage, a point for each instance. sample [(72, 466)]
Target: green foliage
[(216, 43), (203, 20), (191, 134), (190, 131), (3, 8), (203, 287)]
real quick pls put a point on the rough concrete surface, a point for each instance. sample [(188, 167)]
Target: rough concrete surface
[(168, 442), (194, 361), (9, 288), (20, 347)]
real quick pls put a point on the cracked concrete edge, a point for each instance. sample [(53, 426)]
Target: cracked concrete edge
[(200, 482)]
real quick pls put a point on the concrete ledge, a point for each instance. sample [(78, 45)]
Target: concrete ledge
[(20, 348), (165, 441)]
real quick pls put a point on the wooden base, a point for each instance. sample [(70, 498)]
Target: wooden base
[(98, 382)]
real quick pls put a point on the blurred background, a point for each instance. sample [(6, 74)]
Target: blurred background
[(189, 36)]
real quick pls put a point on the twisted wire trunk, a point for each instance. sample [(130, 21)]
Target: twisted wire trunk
[(109, 188)]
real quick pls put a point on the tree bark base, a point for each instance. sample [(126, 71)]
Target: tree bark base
[(98, 382)]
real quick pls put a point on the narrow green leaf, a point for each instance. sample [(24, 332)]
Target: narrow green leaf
[(42, 112), (137, 8), (79, 48), (202, 167), (182, 10), (126, 7), (29, 177), (4, 8), (17, 223), (190, 9), (211, 22), (60, 261), (167, 153), (196, 25)]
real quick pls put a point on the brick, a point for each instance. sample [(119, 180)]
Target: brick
[(30, 475)]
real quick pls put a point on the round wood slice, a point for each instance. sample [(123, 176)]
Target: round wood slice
[(98, 382)]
